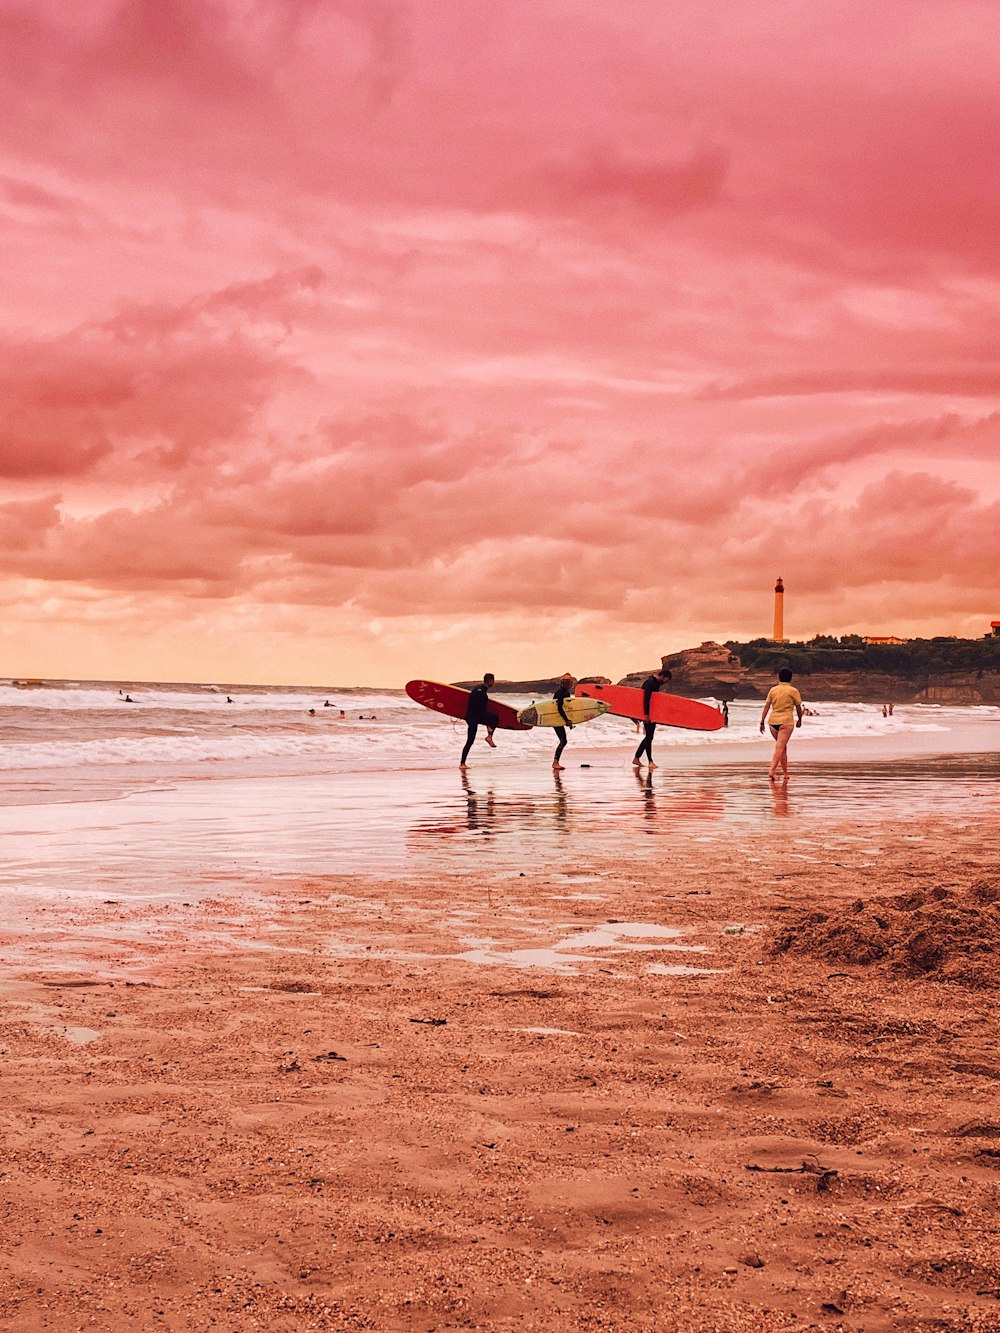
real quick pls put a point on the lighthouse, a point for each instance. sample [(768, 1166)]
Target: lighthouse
[(779, 612)]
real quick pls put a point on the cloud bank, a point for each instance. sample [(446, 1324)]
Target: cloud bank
[(356, 340)]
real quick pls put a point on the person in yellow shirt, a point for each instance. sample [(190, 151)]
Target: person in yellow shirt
[(783, 702)]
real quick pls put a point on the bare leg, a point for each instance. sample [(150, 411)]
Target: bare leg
[(780, 756), (561, 737)]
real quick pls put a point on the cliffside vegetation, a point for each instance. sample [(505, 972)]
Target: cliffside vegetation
[(914, 660)]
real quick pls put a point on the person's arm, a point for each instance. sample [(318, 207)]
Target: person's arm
[(767, 709), (560, 698), (798, 709), (647, 698)]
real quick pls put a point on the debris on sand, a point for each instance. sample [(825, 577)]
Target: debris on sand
[(941, 934)]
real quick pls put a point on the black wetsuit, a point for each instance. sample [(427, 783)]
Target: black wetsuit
[(477, 713), (649, 687), (561, 695)]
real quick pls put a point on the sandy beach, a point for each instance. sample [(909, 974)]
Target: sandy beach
[(747, 1083), (379, 376)]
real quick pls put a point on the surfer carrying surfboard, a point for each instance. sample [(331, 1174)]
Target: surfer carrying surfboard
[(650, 686), (564, 691), (478, 714)]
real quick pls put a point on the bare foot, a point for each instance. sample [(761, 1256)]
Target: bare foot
[(559, 766), (652, 765), (463, 765), (636, 763), (491, 741)]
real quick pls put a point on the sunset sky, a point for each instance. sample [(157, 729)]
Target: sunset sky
[(346, 341)]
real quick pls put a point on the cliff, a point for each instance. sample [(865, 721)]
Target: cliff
[(710, 671), (713, 671)]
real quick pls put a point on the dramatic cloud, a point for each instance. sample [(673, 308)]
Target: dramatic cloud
[(358, 339)]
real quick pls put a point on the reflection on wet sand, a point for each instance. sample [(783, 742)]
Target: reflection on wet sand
[(479, 811), (782, 807), (562, 803), (601, 811), (165, 840), (522, 813)]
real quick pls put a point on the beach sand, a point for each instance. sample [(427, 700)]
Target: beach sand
[(588, 1096)]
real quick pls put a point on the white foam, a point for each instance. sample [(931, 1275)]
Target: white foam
[(65, 728)]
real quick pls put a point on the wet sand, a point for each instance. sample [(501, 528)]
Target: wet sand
[(165, 839), (478, 1092)]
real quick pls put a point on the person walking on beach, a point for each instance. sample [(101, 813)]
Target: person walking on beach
[(650, 686), (477, 714), (783, 702), (564, 691)]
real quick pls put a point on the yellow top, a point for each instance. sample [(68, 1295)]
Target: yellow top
[(784, 699)]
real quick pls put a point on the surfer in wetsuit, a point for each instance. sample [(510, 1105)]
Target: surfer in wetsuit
[(477, 714), (564, 691), (650, 686)]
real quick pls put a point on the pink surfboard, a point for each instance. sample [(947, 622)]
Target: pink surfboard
[(453, 702), (669, 709)]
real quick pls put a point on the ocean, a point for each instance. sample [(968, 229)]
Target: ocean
[(181, 790)]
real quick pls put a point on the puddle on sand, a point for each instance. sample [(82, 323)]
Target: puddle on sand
[(43, 1018), (550, 1032), (80, 1036), (682, 970), (567, 955)]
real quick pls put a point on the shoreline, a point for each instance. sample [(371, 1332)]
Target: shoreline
[(190, 833), (345, 1102)]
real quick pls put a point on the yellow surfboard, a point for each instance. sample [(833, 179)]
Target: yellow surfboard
[(546, 713)]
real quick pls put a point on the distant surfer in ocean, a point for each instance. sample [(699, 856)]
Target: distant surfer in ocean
[(783, 702), (564, 691), (477, 714), (650, 686)]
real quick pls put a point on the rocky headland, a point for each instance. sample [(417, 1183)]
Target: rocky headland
[(715, 671)]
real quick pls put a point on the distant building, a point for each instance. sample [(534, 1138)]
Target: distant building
[(883, 638), (995, 627)]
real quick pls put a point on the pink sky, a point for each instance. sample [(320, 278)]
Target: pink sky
[(352, 340)]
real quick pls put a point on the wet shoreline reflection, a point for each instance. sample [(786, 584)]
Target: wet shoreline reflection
[(604, 806), (437, 820)]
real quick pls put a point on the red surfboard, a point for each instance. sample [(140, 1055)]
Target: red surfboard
[(453, 702), (669, 709)]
